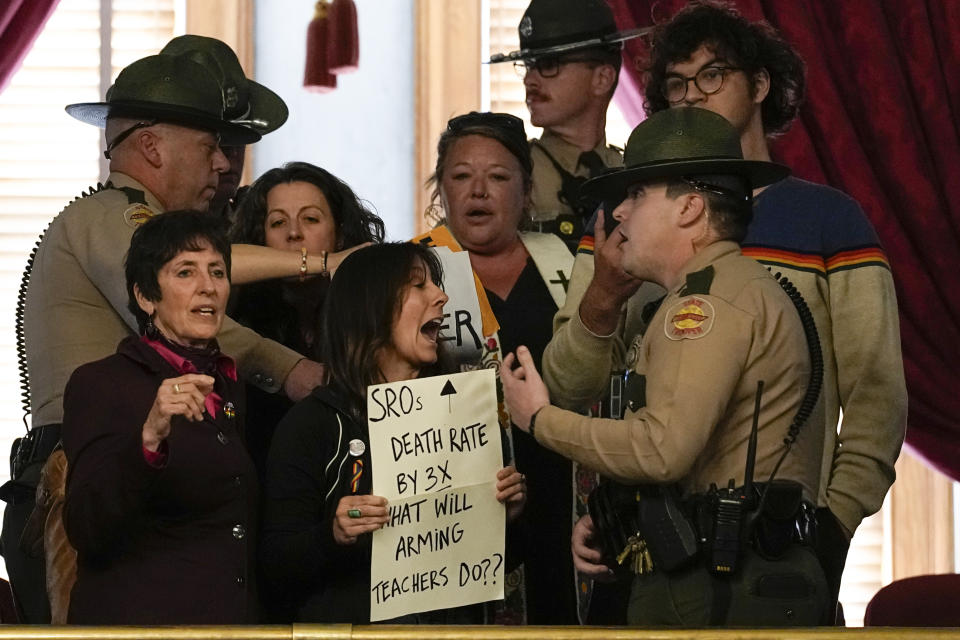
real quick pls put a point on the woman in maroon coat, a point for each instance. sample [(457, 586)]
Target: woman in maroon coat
[(161, 494)]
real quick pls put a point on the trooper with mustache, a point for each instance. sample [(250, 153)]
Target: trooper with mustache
[(570, 61)]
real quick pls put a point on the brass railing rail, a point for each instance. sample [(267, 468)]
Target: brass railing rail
[(406, 632)]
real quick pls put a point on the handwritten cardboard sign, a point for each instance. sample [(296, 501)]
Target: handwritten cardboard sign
[(435, 452)]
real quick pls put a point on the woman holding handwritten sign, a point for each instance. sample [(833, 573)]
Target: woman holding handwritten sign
[(381, 324)]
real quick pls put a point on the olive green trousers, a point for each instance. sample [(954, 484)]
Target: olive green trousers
[(790, 591)]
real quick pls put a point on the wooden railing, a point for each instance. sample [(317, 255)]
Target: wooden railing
[(405, 632)]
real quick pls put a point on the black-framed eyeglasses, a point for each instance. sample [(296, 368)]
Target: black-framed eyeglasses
[(508, 122), (709, 80), (700, 185), (549, 66)]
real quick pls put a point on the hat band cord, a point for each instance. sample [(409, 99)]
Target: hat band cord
[(256, 122), (700, 185)]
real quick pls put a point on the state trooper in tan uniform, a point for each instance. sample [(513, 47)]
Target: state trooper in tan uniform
[(724, 327), (570, 60), (164, 123)]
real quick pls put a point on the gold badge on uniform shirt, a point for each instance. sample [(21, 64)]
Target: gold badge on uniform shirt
[(633, 354), (689, 319), (137, 214), (566, 227)]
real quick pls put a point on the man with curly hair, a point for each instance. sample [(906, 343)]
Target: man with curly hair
[(708, 56)]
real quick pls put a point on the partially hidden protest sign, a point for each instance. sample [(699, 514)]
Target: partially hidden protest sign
[(462, 328), (435, 452)]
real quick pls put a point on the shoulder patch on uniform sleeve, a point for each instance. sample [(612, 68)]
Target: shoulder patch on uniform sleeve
[(690, 318), (136, 214)]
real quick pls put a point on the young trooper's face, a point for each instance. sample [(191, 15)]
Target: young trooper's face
[(558, 99), (647, 217)]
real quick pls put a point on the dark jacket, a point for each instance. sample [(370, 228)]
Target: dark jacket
[(282, 311), (309, 469), (170, 545)]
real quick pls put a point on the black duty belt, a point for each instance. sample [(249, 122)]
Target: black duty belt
[(783, 519), (34, 447), (40, 442)]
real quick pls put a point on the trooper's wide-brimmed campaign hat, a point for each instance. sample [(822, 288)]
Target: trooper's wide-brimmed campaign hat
[(168, 89), (552, 27), (245, 102), (681, 142)]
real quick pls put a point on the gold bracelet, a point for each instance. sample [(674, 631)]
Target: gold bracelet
[(303, 263), (323, 265)]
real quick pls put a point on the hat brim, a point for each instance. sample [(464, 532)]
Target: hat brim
[(570, 47), (613, 186), (267, 110), (96, 113)]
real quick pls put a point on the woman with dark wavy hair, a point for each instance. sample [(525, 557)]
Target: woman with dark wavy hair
[(302, 208), (381, 324), (307, 211)]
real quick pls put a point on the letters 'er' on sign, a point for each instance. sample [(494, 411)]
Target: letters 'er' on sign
[(462, 330), (435, 451)]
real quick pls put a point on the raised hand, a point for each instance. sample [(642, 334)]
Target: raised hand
[(523, 389), (180, 396), (611, 286)]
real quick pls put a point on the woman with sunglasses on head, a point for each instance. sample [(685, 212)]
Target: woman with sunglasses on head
[(483, 185), (303, 210), (381, 324)]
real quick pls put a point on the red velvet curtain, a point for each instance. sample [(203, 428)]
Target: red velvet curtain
[(21, 21), (881, 123)]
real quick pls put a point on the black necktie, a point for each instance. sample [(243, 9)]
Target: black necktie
[(591, 160)]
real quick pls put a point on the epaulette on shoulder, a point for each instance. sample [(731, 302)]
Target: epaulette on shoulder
[(698, 282), (134, 196), (101, 186)]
